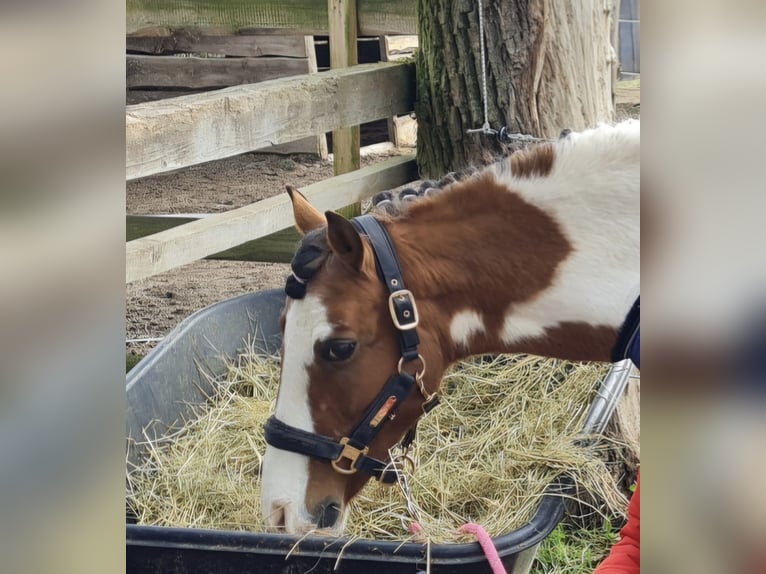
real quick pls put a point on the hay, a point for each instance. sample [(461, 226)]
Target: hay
[(505, 430)]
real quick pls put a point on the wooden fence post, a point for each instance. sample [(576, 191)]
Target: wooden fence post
[(343, 52)]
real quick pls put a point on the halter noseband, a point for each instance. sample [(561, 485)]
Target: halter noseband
[(349, 454)]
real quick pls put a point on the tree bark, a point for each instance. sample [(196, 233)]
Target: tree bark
[(549, 67)]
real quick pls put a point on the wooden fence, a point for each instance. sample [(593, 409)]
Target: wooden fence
[(192, 241), (302, 17), (170, 134), (177, 132), (164, 63)]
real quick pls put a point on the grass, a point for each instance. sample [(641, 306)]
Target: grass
[(131, 361), (574, 551)]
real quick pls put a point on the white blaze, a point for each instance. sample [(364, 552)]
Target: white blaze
[(283, 484)]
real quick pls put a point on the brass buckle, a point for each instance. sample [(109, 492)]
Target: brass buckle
[(401, 294), (350, 453)]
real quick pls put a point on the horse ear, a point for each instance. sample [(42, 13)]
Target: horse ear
[(344, 240), (306, 217)]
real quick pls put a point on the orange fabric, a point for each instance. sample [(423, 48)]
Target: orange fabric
[(625, 556)]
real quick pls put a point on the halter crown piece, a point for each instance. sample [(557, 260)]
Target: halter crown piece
[(349, 454)]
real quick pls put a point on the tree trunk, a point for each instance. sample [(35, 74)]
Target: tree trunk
[(549, 67)]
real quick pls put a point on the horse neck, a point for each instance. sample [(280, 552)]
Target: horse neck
[(497, 269)]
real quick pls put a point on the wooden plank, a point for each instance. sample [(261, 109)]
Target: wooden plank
[(192, 72), (343, 53), (300, 16), (133, 97), (187, 243), (138, 226), (278, 247), (171, 134), (314, 145), (186, 40), (275, 248)]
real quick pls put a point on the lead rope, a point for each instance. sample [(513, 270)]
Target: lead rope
[(416, 529), (503, 135), (485, 541)]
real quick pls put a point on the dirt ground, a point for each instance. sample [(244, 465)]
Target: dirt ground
[(157, 304)]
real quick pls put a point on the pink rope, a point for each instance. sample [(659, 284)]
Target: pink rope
[(486, 544), (484, 540), (417, 530)]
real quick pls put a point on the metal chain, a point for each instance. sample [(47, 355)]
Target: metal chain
[(503, 135), (399, 466), (485, 128)]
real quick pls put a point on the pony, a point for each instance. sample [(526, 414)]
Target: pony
[(537, 253)]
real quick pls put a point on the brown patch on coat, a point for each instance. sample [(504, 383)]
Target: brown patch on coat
[(439, 242), (573, 341), (536, 161)]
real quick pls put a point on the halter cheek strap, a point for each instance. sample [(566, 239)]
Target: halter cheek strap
[(401, 303), (349, 454)]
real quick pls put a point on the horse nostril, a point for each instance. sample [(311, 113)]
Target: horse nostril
[(328, 514)]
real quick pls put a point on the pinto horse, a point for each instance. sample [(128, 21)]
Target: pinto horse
[(537, 253)]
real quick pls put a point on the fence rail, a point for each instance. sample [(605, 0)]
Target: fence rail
[(170, 134), (192, 241), (375, 18), (180, 41)]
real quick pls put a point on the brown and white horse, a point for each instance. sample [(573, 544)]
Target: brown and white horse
[(538, 253)]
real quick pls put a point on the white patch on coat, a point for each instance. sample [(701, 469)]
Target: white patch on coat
[(285, 476), (593, 192), (464, 325)]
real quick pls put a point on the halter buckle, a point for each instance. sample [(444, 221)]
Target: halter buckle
[(400, 296), (350, 453)]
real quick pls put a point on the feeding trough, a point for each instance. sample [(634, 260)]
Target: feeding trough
[(160, 390)]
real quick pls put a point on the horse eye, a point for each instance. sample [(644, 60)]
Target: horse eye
[(337, 349)]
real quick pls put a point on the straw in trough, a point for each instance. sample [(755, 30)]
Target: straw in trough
[(506, 428)]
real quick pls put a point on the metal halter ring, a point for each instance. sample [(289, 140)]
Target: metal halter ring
[(418, 375), (399, 460)]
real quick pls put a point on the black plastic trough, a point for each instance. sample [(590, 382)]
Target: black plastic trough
[(159, 389)]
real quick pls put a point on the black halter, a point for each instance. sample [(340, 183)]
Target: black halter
[(349, 454)]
